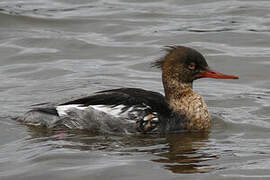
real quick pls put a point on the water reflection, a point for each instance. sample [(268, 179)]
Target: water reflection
[(180, 153), (186, 153)]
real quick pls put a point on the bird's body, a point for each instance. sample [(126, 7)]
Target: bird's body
[(138, 110)]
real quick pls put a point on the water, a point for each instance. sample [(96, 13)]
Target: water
[(54, 50)]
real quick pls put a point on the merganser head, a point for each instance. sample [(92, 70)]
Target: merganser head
[(180, 67), (185, 65)]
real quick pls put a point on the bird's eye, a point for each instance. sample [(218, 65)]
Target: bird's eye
[(191, 66)]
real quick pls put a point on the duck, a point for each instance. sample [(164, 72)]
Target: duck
[(128, 110)]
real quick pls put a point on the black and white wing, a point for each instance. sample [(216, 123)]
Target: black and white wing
[(136, 105)]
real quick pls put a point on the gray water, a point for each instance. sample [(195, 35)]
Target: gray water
[(55, 50)]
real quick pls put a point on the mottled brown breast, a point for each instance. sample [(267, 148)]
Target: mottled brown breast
[(194, 108)]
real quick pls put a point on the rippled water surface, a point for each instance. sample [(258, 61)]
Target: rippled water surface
[(53, 50)]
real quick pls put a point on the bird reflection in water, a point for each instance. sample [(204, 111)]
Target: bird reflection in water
[(183, 153), (186, 153)]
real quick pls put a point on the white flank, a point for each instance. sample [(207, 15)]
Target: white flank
[(116, 111), (62, 110)]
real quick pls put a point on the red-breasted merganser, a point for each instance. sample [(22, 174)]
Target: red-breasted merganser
[(131, 109)]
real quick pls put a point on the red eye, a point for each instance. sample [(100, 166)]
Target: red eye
[(191, 66)]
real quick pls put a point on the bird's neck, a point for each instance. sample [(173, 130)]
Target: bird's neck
[(183, 100), (174, 89)]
